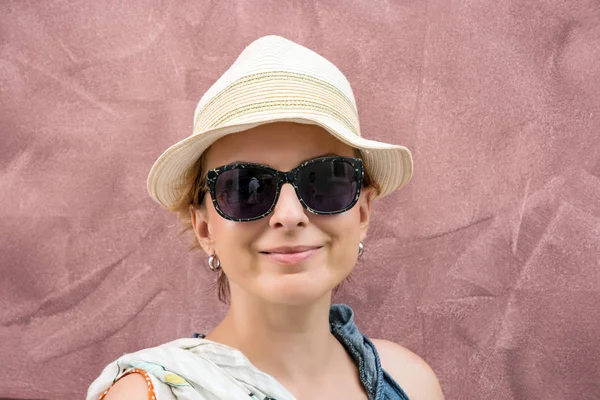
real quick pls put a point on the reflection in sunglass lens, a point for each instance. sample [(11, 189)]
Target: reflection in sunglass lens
[(328, 186), (245, 192)]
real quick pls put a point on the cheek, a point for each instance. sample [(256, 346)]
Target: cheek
[(232, 240), (344, 231), (345, 226), (224, 231)]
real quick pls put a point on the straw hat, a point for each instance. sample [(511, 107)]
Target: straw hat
[(275, 79)]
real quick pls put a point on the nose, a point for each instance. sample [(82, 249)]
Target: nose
[(288, 212)]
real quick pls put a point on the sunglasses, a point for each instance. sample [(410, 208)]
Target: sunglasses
[(246, 192)]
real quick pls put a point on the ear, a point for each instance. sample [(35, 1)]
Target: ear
[(364, 203), (201, 229)]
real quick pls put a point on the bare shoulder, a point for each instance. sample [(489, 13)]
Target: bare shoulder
[(130, 387), (411, 372)]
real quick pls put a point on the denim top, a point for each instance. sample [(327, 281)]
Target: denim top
[(378, 383)]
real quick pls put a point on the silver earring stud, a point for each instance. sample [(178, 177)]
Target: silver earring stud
[(214, 263), (361, 249)]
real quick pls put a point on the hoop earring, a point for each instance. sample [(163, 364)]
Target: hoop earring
[(214, 263), (361, 249)]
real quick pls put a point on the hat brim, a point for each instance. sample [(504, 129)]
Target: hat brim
[(390, 166)]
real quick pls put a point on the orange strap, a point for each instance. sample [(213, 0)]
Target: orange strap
[(151, 395)]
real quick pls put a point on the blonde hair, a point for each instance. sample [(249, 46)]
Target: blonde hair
[(193, 184)]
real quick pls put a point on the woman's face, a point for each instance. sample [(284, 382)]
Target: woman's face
[(242, 247)]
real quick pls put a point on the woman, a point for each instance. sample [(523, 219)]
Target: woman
[(277, 185)]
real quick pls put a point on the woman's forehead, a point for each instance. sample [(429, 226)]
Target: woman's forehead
[(282, 145)]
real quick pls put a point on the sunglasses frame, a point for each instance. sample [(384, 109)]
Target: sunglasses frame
[(283, 178)]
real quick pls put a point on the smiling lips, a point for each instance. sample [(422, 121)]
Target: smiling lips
[(291, 255)]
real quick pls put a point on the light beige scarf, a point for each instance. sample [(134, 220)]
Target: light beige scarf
[(194, 369)]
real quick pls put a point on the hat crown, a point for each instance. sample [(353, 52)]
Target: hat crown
[(277, 54)]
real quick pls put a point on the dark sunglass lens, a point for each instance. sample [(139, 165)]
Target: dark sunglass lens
[(245, 193), (328, 186)]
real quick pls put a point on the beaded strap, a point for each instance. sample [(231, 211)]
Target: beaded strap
[(151, 395)]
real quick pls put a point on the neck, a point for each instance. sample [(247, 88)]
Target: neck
[(292, 343)]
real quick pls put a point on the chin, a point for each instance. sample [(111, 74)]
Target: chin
[(292, 299), (296, 289)]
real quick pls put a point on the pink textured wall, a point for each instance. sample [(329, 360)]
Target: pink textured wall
[(486, 264)]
